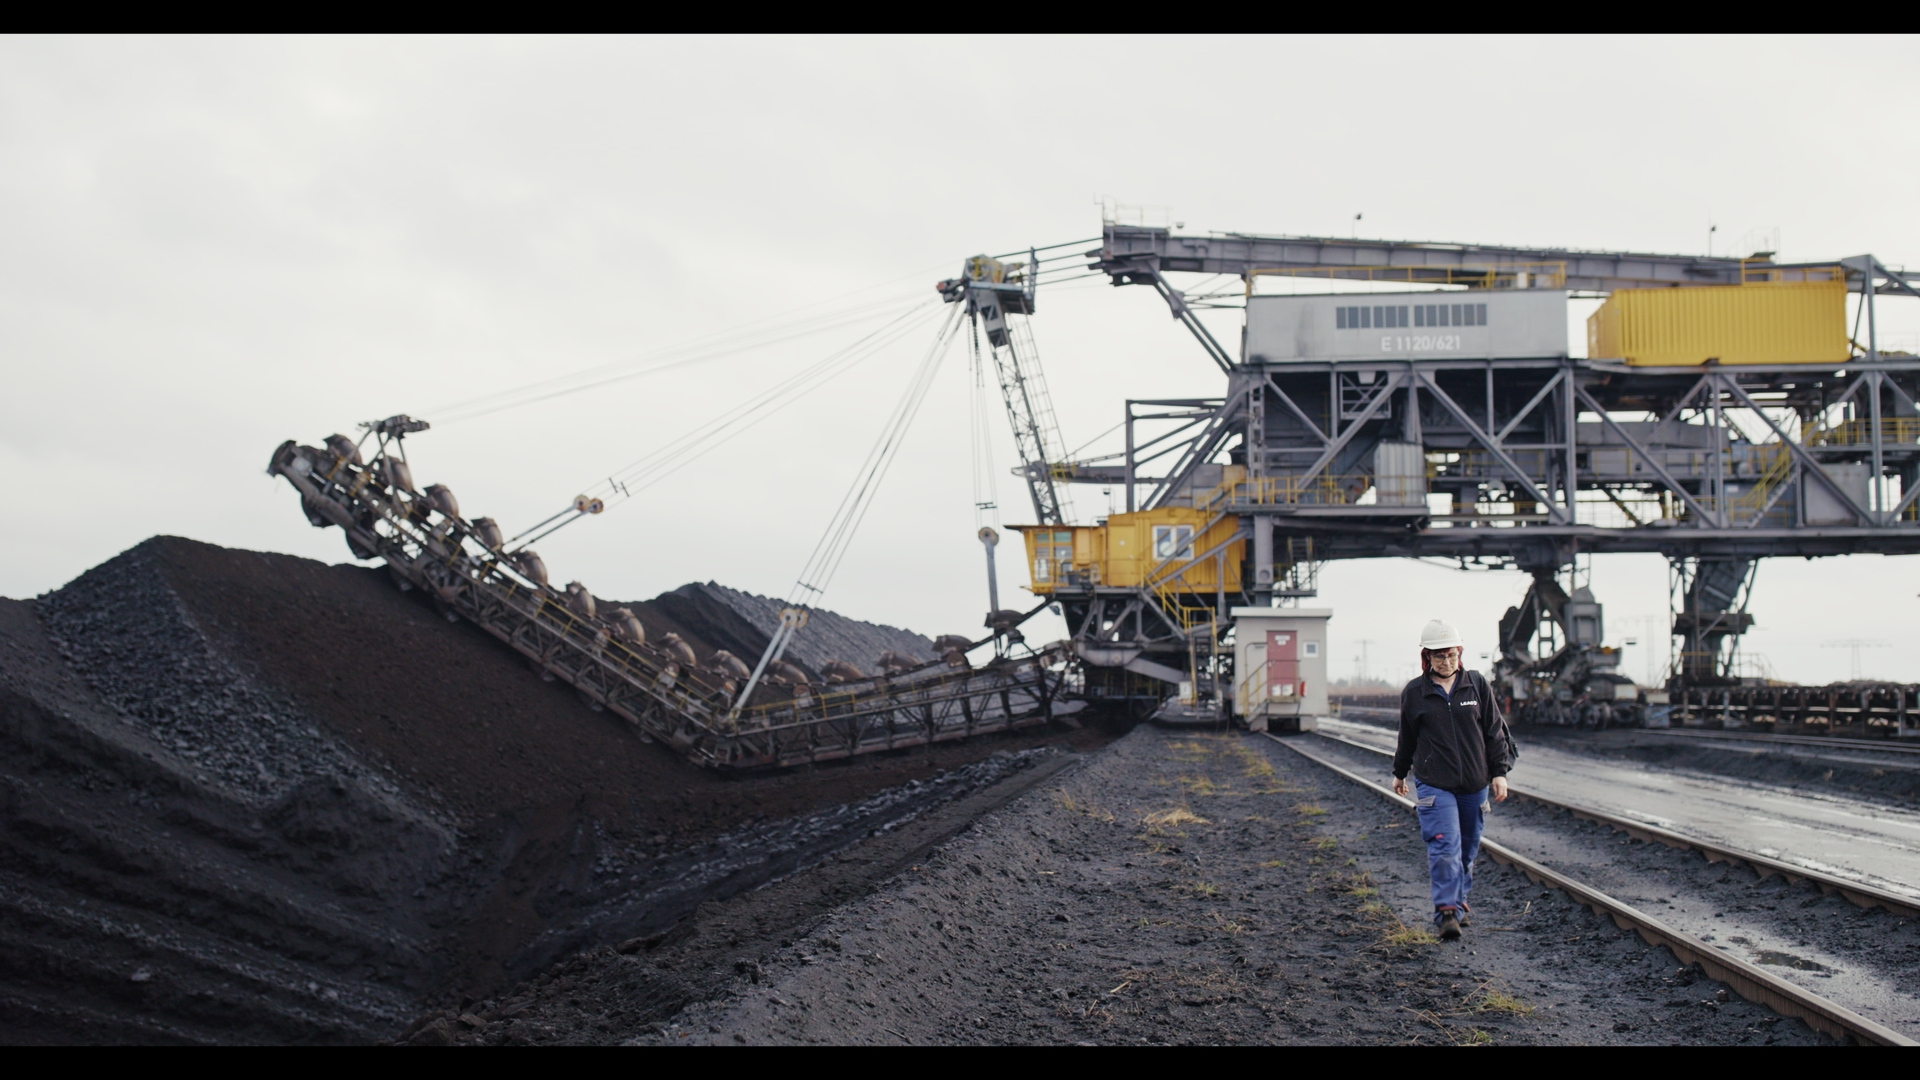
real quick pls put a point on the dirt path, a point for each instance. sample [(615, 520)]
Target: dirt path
[(1209, 889)]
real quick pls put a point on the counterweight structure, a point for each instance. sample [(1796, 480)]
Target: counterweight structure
[(1736, 418)]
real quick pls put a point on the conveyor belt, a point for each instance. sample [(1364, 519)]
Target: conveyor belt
[(439, 554)]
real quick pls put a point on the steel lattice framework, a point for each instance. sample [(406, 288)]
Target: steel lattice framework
[(1543, 458), (438, 553)]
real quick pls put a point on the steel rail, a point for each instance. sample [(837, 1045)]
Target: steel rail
[(1888, 746), (1866, 896), (1748, 980), (1910, 745)]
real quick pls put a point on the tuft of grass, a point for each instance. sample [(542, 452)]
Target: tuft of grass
[(1374, 907), (1273, 864), (1202, 888), (1174, 816), (1308, 810), (1358, 885), (1474, 1037), (1066, 802), (1326, 843), (1190, 753), (1497, 1001), (1200, 785), (1403, 936)]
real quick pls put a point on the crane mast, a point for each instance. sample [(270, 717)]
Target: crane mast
[(999, 297)]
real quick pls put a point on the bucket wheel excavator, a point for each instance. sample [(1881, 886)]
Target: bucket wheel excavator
[(472, 572)]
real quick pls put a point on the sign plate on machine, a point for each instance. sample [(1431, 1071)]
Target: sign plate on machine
[(1474, 325)]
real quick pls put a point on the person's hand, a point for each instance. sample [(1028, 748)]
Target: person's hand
[(1400, 787), (1499, 789)]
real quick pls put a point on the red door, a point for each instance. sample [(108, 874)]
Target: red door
[(1283, 663)]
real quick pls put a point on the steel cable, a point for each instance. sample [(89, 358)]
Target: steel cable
[(723, 347), (824, 561), (717, 431)]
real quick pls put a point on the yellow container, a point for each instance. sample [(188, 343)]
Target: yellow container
[(1788, 322), (1148, 547)]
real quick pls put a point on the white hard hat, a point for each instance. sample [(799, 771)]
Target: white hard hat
[(1439, 635)]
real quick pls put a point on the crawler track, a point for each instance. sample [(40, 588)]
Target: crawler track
[(1749, 980)]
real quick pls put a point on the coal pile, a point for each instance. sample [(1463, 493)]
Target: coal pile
[(828, 638), (253, 798)]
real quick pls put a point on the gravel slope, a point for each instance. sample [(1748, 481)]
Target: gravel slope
[(1178, 889), (247, 797)]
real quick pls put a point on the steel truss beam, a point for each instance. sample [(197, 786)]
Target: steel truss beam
[(1562, 514), (1807, 463), (1569, 388), (1132, 253), (1651, 458)]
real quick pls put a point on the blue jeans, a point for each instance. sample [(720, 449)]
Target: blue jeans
[(1451, 825)]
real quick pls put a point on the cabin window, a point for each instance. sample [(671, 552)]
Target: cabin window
[(1172, 542)]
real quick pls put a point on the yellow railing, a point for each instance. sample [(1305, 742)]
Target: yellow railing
[(1167, 593), (1904, 429), (1254, 697), (1762, 272), (1322, 490), (1481, 463), (1776, 464), (1242, 693)]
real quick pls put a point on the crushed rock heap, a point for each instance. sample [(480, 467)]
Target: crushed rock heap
[(251, 797)]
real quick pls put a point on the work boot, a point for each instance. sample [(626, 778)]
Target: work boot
[(1449, 925), (1465, 915)]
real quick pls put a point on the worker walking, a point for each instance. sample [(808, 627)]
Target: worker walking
[(1455, 742)]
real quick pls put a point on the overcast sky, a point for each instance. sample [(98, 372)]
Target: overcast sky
[(209, 246)]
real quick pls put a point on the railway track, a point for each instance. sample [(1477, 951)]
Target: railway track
[(1890, 746), (1859, 893), (1750, 980), (1882, 745)]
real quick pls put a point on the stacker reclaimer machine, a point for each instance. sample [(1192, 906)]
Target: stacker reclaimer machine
[(1729, 409)]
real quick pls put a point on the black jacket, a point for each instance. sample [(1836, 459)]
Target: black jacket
[(1457, 745)]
